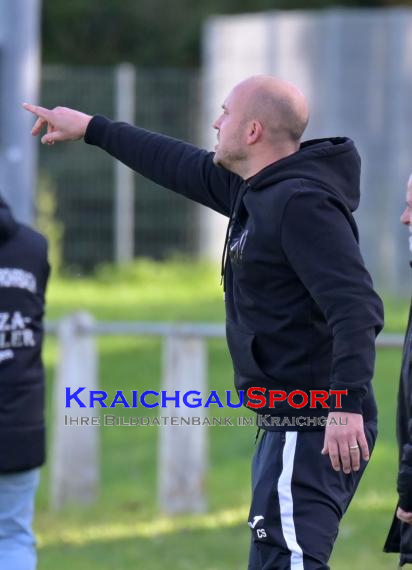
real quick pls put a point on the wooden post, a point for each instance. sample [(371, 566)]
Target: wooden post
[(182, 451), (75, 448)]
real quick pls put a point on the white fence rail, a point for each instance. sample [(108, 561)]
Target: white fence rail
[(182, 450)]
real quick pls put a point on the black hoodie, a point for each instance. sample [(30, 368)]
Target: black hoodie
[(301, 310), (400, 534), (24, 272)]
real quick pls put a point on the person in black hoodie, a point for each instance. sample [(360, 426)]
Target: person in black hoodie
[(301, 312), (24, 272), (400, 534)]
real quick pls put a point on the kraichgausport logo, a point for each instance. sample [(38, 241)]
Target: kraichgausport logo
[(256, 398)]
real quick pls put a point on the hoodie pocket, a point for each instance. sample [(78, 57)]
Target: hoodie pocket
[(241, 347)]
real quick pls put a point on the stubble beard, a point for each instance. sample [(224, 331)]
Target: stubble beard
[(230, 159)]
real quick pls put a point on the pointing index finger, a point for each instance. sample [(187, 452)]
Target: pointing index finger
[(37, 110)]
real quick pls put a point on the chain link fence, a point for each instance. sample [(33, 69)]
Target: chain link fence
[(79, 182)]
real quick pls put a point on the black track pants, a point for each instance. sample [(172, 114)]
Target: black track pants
[(298, 501)]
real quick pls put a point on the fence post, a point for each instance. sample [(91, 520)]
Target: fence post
[(125, 94), (75, 448), (20, 72), (183, 449)]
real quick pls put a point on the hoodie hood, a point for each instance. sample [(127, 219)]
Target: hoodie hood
[(8, 225), (332, 163)]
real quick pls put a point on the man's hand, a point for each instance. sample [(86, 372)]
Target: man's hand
[(63, 124), (404, 516), (345, 443)]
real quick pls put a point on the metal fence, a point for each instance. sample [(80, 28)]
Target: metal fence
[(355, 66), (82, 182), (183, 461)]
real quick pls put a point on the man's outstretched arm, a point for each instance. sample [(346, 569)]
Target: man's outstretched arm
[(172, 163)]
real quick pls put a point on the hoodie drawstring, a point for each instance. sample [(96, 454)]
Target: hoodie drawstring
[(232, 219)]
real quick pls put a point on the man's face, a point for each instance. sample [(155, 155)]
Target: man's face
[(406, 217), (231, 127)]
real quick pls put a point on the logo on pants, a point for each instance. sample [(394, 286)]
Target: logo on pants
[(256, 519), (260, 532)]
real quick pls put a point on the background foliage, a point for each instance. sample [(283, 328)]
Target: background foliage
[(149, 32)]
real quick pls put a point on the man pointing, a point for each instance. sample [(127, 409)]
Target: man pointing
[(301, 312)]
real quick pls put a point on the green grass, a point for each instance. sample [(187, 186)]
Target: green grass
[(124, 529)]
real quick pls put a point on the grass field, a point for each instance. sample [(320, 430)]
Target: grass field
[(125, 530)]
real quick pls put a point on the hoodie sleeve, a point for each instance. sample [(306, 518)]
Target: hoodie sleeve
[(172, 163), (321, 247)]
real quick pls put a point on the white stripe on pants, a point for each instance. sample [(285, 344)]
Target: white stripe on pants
[(286, 501)]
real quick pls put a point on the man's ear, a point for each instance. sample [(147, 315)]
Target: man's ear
[(254, 132)]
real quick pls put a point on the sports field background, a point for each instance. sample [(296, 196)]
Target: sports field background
[(125, 530)]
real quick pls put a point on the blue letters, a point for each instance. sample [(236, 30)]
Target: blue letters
[(98, 396), (70, 397), (228, 402), (143, 399), (120, 399), (196, 402), (190, 399), (213, 399), (166, 398)]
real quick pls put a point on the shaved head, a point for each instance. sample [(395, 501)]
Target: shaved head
[(263, 120), (278, 105)]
